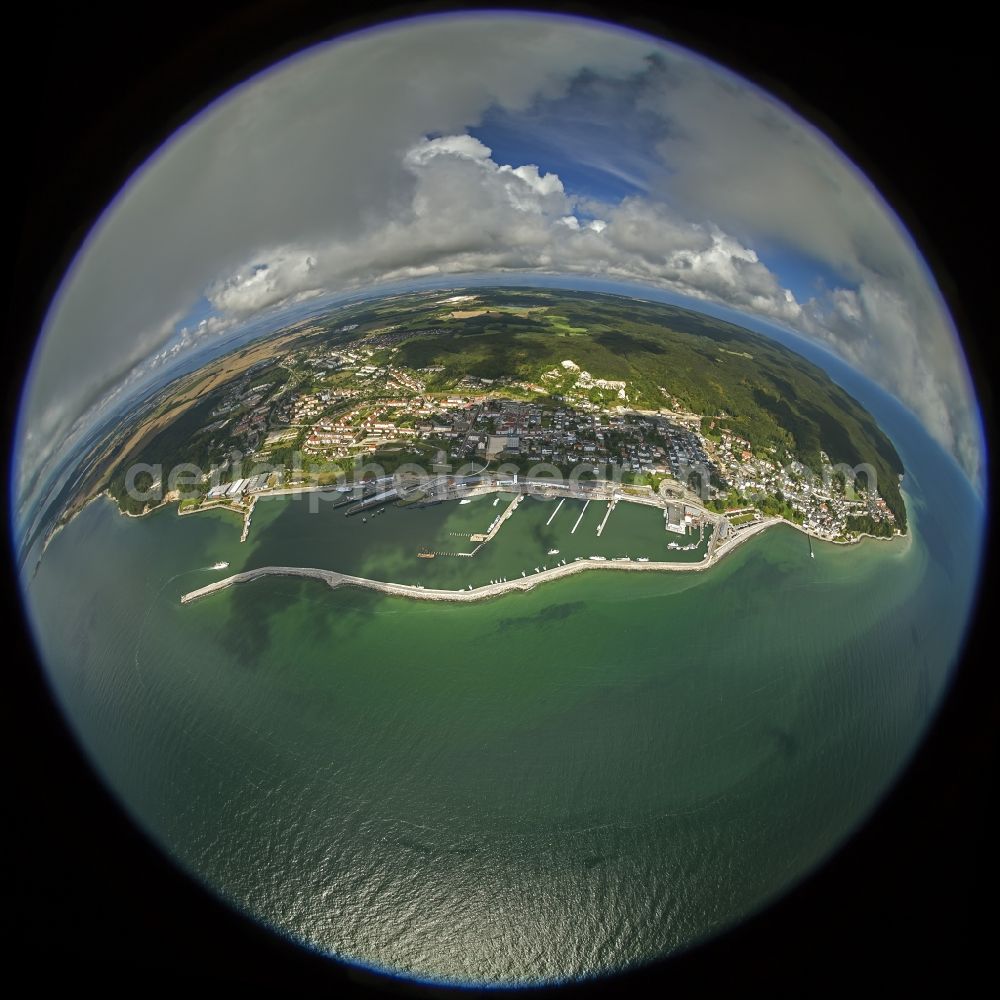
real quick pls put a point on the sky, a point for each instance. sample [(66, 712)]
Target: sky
[(489, 143)]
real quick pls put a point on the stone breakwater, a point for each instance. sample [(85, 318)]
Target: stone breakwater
[(335, 579)]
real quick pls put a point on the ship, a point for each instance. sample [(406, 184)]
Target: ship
[(424, 554), (643, 559), (466, 500), (553, 552), (220, 565)]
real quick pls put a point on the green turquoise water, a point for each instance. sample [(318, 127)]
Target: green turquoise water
[(310, 531), (547, 785)]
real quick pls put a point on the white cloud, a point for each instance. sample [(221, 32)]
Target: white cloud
[(469, 213), (309, 151), (734, 155), (321, 170)]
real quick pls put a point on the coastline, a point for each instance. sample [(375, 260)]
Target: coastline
[(724, 548)]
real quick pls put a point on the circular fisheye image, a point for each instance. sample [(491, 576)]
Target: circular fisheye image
[(498, 498)]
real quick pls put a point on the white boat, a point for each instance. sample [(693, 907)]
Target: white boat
[(643, 559), (553, 552), (220, 565), (495, 502), (598, 559), (465, 501)]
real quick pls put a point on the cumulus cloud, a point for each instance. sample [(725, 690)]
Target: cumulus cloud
[(469, 213), (311, 149), (735, 155), (354, 164)]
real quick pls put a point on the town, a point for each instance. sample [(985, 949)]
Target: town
[(317, 414)]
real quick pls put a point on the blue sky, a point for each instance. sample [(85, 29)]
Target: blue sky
[(564, 137), (410, 151)]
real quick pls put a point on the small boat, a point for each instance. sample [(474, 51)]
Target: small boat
[(220, 565), (522, 573), (495, 502), (553, 552), (643, 559), (364, 520), (465, 501)]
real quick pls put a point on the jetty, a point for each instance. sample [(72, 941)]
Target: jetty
[(562, 500), (498, 522), (246, 519), (580, 518), (490, 590), (607, 514)]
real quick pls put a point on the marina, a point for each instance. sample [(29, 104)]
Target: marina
[(452, 552)]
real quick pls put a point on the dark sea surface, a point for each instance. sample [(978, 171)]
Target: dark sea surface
[(551, 784)]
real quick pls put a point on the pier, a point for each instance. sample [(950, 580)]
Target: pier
[(499, 522), (556, 511), (334, 580), (246, 519), (580, 518), (373, 501), (607, 514), (524, 583)]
